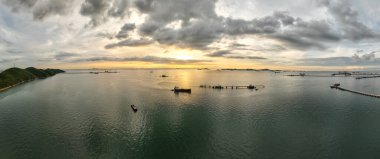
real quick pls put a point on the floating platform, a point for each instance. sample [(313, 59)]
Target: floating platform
[(229, 87)]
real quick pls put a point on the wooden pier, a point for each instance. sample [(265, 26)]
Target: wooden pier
[(363, 77), (356, 92)]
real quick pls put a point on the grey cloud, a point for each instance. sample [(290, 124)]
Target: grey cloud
[(356, 60), (124, 32), (200, 29), (95, 9), (365, 57), (229, 54), (144, 5), (219, 53), (41, 8), (7, 60), (100, 10), (246, 57), (152, 59), (17, 5), (130, 43), (348, 20), (119, 8), (64, 55)]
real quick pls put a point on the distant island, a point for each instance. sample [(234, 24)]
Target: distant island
[(249, 69), (15, 76)]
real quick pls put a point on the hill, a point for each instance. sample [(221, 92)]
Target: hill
[(14, 76)]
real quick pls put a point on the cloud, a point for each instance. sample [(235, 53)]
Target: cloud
[(200, 29), (64, 55), (130, 43), (100, 10), (40, 8), (219, 53), (45, 8), (246, 57), (370, 57), (124, 32), (355, 60), (7, 60), (151, 59), (348, 21), (229, 54), (17, 5)]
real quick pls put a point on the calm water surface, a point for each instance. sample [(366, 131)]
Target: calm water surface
[(89, 116)]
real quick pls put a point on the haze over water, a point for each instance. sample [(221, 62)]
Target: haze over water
[(89, 116)]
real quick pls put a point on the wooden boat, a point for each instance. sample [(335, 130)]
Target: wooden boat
[(178, 90), (134, 108)]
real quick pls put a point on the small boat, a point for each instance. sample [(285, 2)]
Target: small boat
[(134, 108), (251, 87), (336, 85), (164, 76), (178, 90), (203, 86)]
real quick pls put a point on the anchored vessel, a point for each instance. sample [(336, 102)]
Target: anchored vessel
[(134, 108), (178, 90)]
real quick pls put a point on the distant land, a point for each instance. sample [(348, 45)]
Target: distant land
[(248, 69), (15, 76)]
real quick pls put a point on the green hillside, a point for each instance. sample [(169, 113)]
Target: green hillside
[(38, 72), (15, 76)]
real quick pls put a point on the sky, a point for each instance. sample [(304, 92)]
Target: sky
[(274, 34)]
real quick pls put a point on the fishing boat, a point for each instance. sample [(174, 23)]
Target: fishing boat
[(134, 108), (251, 87), (178, 90)]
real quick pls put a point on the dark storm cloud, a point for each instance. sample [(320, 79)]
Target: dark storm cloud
[(100, 10), (152, 59), (130, 42)]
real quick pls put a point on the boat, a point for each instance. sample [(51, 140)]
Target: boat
[(164, 76), (203, 86), (134, 108), (336, 85), (178, 90), (251, 87)]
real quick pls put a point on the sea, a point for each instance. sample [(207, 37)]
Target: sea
[(85, 116)]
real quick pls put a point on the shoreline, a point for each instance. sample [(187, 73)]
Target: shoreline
[(9, 87)]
